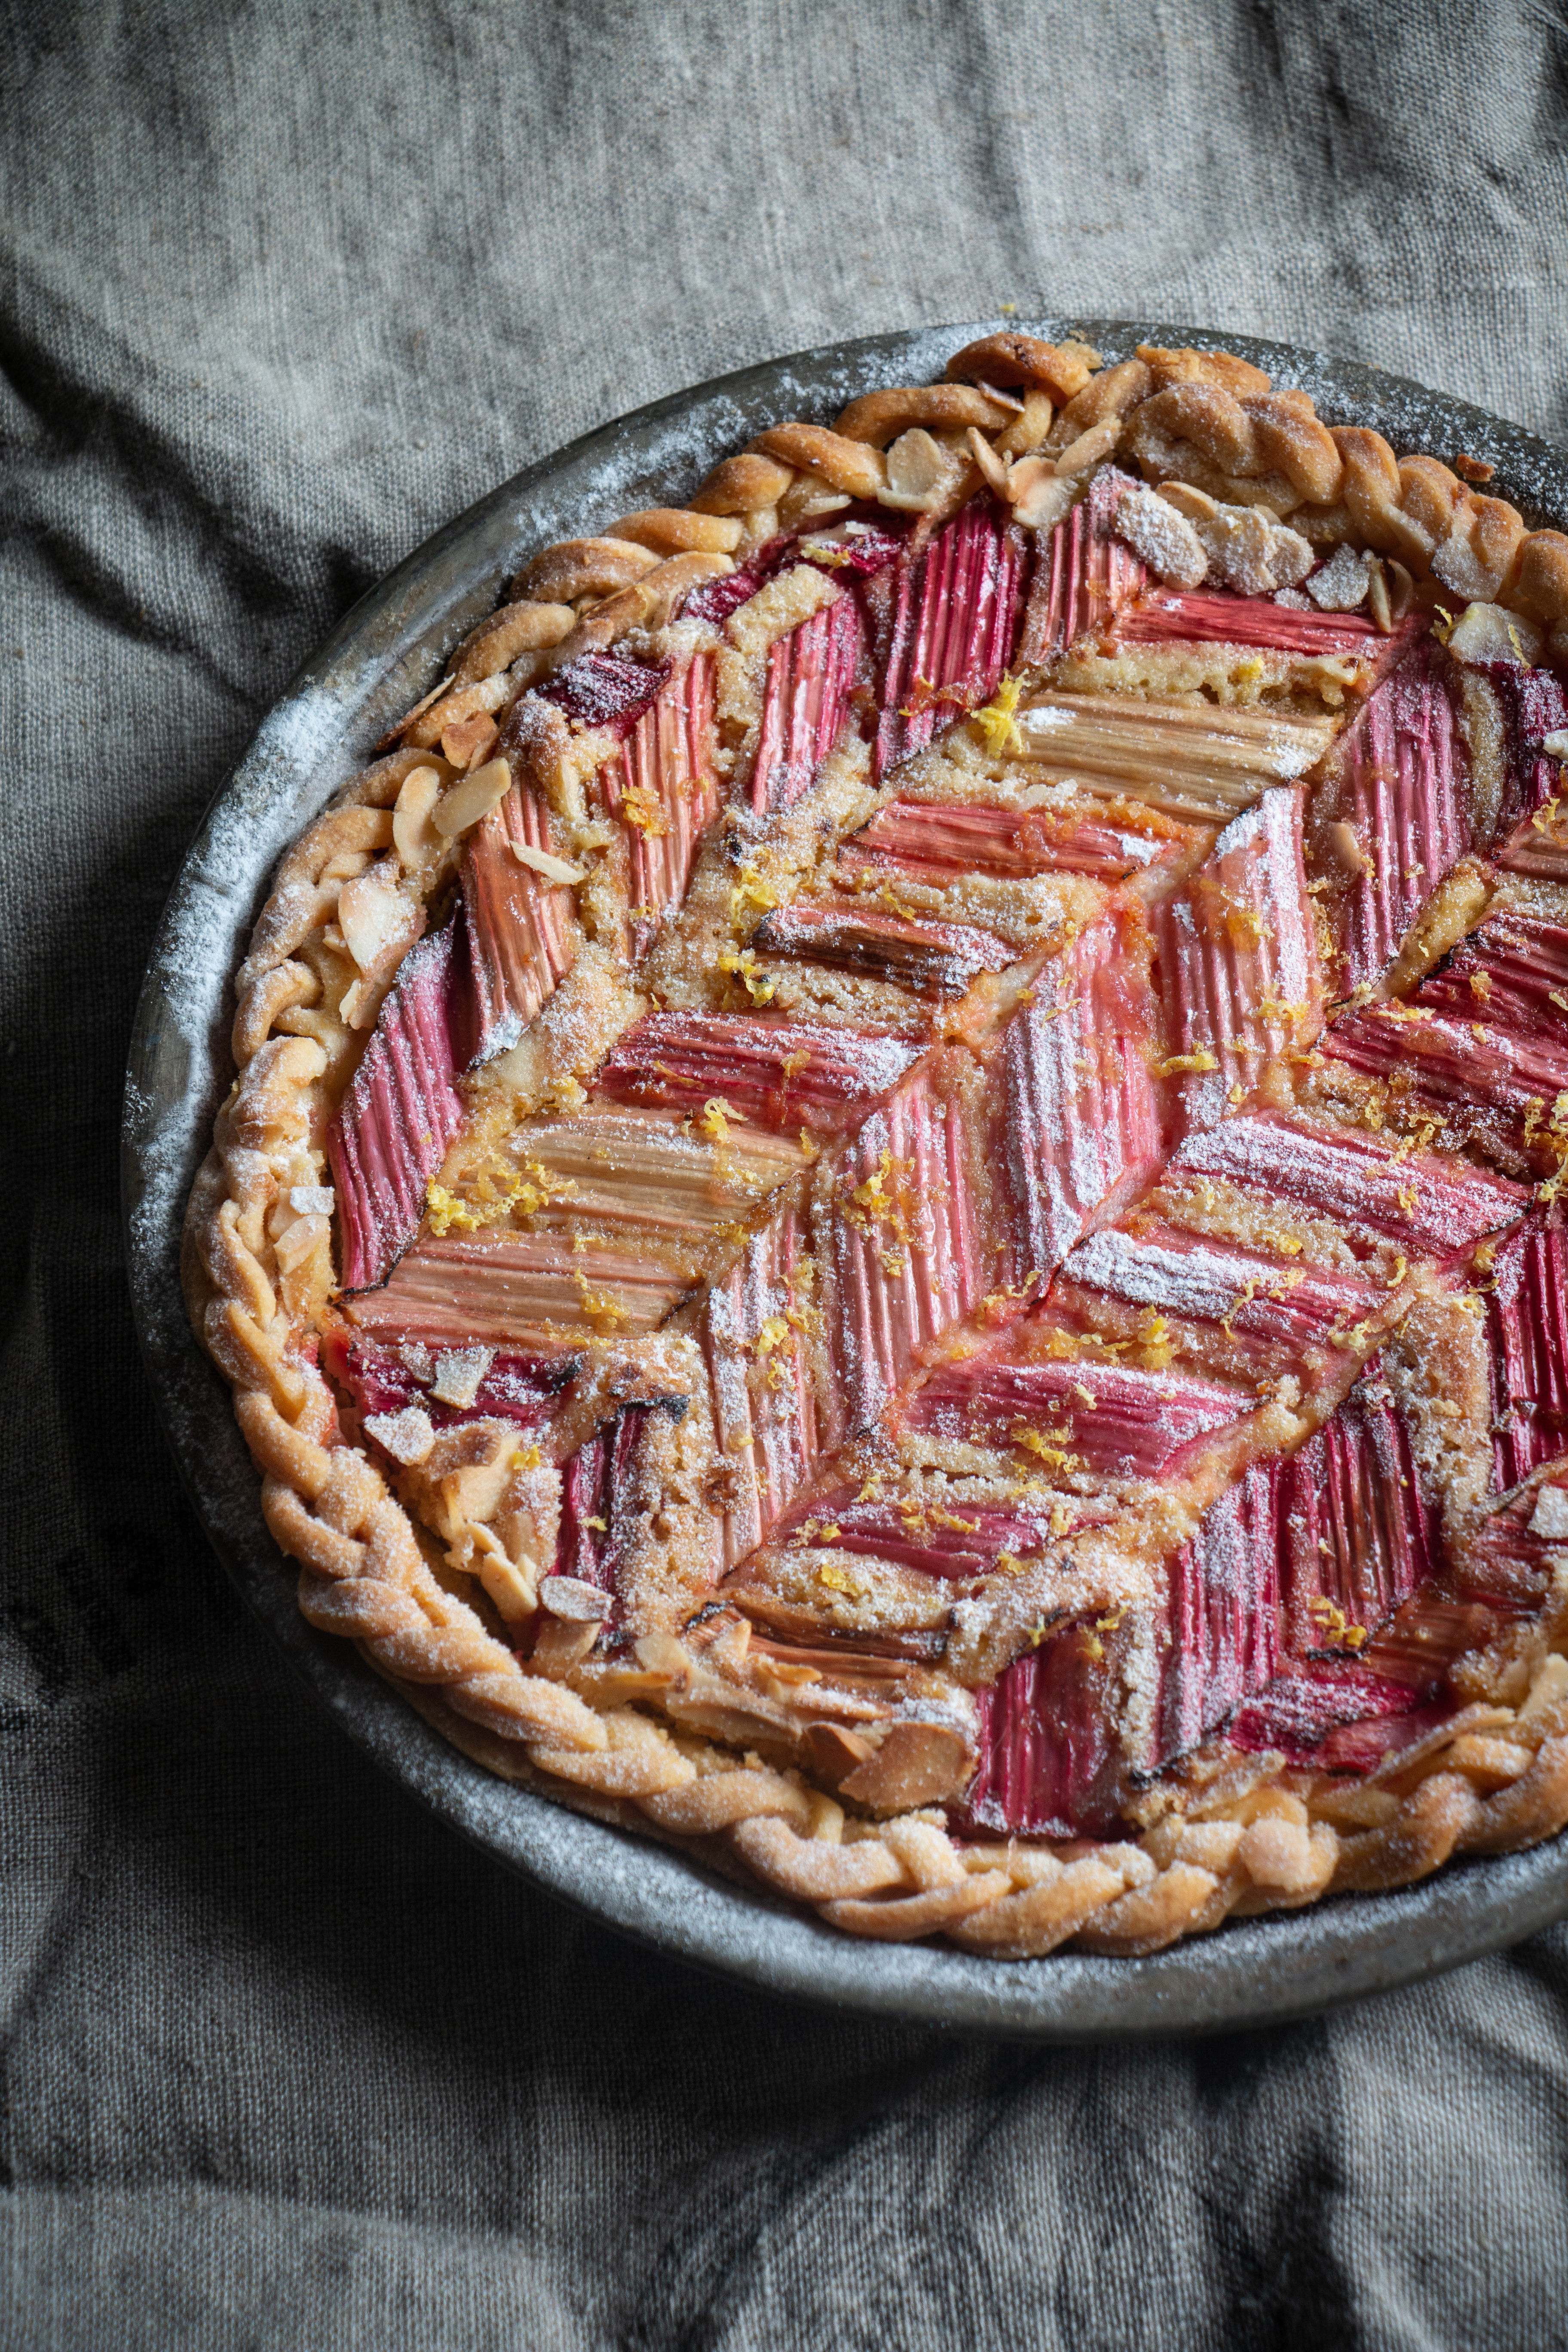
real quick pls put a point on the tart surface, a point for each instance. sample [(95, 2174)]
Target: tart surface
[(892, 1198)]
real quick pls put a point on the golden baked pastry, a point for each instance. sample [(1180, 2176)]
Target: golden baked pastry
[(892, 1202)]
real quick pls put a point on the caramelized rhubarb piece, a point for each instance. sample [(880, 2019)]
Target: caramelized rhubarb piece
[(933, 843), (1402, 784), (955, 1545), (938, 960), (756, 1330), (390, 1133), (1482, 1044), (902, 1247), (1509, 1551), (1076, 1114), (605, 691), (1217, 616), (1274, 1315), (1239, 961), (494, 1286), (1106, 1419), (1217, 1634), (1527, 1329), (1338, 1718), (662, 789), (1434, 1208), (773, 1072), (1047, 1753), (949, 627), (805, 701), (1084, 575), (1188, 761), (521, 934)]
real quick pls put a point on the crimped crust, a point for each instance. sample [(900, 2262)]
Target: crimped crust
[(693, 910)]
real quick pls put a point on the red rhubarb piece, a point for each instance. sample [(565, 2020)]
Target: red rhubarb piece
[(1434, 1208), (756, 1334), (1078, 1116), (1047, 1750), (956, 1545), (806, 702), (1339, 1717), (936, 843), (938, 960), (521, 930), (1218, 1633), (388, 1379), (1359, 1526), (595, 1500), (1084, 575), (1533, 705), (901, 1246), (661, 787), (605, 691), (391, 1133), (949, 627), (1110, 1420), (774, 1073), (1239, 960), (1405, 791), (1218, 616), (1527, 1330)]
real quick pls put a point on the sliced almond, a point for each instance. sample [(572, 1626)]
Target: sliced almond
[(919, 471), (473, 798), (1039, 495), (554, 869), (831, 1752), (377, 920), (413, 837), (989, 463), (572, 1598), (917, 1764), (1088, 450), (1347, 849)]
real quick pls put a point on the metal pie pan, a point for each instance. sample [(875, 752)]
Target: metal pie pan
[(379, 660)]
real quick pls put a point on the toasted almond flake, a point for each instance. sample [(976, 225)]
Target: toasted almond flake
[(569, 1596), (408, 1436), (464, 805), (312, 1200), (459, 1372), (539, 861)]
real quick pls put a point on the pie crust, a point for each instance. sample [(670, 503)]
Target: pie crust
[(890, 1208)]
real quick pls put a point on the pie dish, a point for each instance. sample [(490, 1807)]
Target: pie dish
[(967, 1055)]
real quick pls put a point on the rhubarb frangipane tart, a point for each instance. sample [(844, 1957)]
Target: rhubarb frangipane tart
[(892, 1206)]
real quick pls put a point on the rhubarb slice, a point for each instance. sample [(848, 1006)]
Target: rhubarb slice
[(1481, 1046), (1436, 1209), (1533, 705), (1338, 1718), (1078, 1117), (596, 1501), (1238, 962), (1188, 761), (386, 1380), (756, 1331), (1217, 616), (390, 1133), (1106, 1420), (1260, 1316), (1358, 1525), (806, 702), (950, 628), (1402, 784), (1048, 1758), (774, 1073), (520, 1287), (954, 1546), (902, 1245), (662, 789), (521, 933), (932, 960), (1084, 576), (605, 691), (934, 843), (1217, 1639), (1527, 1330)]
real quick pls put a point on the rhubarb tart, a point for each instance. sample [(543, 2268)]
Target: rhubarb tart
[(891, 1203)]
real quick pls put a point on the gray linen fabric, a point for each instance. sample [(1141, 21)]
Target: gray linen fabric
[(283, 287)]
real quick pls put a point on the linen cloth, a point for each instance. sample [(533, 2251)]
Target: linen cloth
[(283, 288)]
